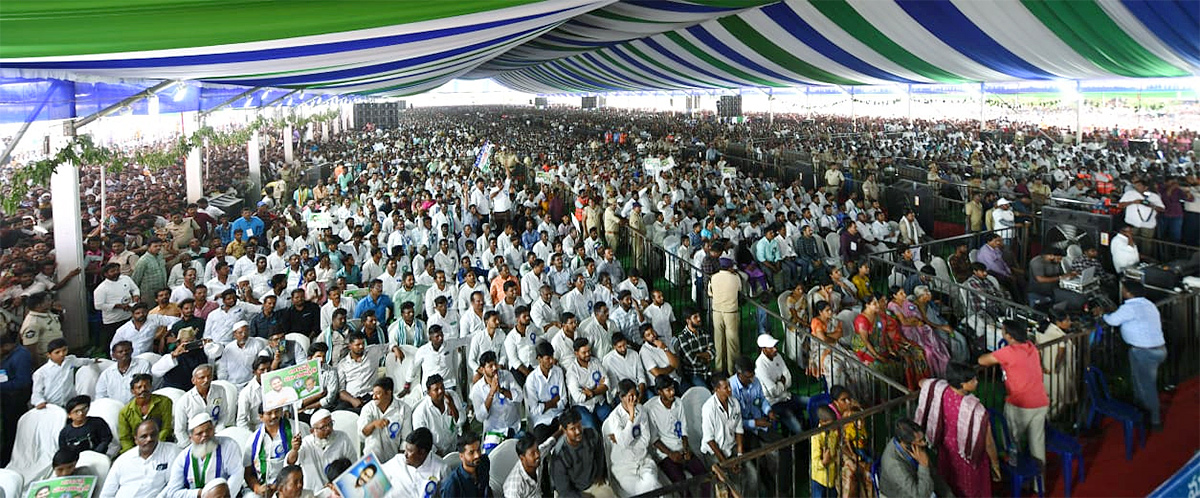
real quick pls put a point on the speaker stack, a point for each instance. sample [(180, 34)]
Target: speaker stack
[(729, 106), (589, 103), (382, 115)]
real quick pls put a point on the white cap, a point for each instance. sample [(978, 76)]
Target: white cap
[(211, 485), (766, 341), (1002, 202), (320, 415), (198, 420), (239, 324)]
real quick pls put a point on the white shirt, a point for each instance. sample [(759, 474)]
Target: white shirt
[(519, 484), (316, 454), (219, 325), (1124, 253), (768, 372), (109, 293), (660, 317), (414, 482), (360, 376), (579, 303), (544, 313), (579, 376), (234, 365), (142, 337), (1140, 215), (132, 476), (669, 424), (632, 445), (540, 388), (441, 362), (432, 294), (249, 399), (720, 425), (271, 446), (505, 414), (599, 336), (328, 308), (191, 403), (445, 428), (181, 480), (520, 349), (653, 357), (481, 342), (469, 322), (54, 383), (384, 443), (627, 366), (113, 384)]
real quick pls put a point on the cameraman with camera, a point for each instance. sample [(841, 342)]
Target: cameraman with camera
[(1141, 207)]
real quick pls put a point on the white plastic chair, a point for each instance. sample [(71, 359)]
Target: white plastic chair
[(150, 357), (85, 379), (452, 461), (109, 410), (834, 244), (11, 483), (504, 459), (171, 392), (300, 339), (347, 422), (239, 435), (973, 256), (942, 270), (36, 441), (95, 464), (401, 371), (693, 400), (231, 395)]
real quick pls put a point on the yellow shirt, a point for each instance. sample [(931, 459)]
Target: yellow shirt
[(825, 475)]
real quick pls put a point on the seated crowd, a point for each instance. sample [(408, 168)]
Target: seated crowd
[(451, 308)]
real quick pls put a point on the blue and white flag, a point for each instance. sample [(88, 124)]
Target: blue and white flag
[(483, 161)]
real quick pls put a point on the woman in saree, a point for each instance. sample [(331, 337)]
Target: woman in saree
[(957, 423), (917, 331), (826, 331), (930, 314), (880, 345), (796, 305)]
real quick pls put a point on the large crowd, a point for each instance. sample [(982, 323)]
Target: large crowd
[(454, 300)]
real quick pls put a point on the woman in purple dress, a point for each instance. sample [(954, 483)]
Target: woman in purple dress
[(916, 330), (957, 423)]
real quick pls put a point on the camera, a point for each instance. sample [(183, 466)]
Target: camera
[(197, 344)]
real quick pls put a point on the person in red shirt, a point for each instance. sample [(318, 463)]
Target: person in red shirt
[(1027, 404)]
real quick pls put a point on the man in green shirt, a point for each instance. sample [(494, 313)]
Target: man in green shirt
[(143, 406)]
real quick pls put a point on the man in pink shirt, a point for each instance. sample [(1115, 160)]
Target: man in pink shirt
[(1026, 405)]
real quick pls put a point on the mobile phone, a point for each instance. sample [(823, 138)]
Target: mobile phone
[(193, 345)]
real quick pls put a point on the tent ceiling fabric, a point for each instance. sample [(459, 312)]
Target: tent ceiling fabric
[(366, 47)]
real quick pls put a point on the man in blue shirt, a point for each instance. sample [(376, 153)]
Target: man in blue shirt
[(1141, 328), (378, 301), (471, 478), (16, 389), (251, 226), (530, 236), (759, 421)]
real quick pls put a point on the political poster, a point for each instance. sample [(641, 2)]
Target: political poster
[(483, 161), (728, 172), (63, 487), (288, 385), (319, 220), (364, 479), (545, 177)]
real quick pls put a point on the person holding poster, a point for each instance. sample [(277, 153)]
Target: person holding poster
[(209, 457), (289, 385), (321, 448), (63, 487), (278, 394), (382, 421), (270, 450), (364, 479)]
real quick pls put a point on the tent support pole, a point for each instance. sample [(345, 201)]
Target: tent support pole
[(229, 102), (81, 122), (12, 144)]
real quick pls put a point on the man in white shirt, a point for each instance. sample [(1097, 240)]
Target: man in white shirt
[(598, 329), (497, 398), (115, 297), (1142, 206), (416, 472), (218, 327), (238, 355), (203, 398), (669, 429), (721, 435), (624, 363), (545, 390), (442, 413), (141, 472), (335, 302), (525, 478), (320, 448), (360, 369), (776, 381), (489, 338), (143, 329), (251, 396), (1124, 251), (114, 382), (627, 428), (588, 384), (208, 458), (660, 314)]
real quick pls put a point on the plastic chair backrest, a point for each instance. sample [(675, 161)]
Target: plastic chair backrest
[(941, 269), (1074, 251), (693, 400), (300, 339), (109, 410), (503, 458), (973, 256), (452, 461), (171, 392), (231, 395), (85, 379), (93, 463), (239, 435), (1096, 385), (11, 483), (834, 240), (36, 441), (151, 357), (347, 421), (816, 401)]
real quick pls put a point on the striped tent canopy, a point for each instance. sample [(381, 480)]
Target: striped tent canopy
[(368, 47)]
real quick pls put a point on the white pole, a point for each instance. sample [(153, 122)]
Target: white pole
[(908, 93), (192, 176), (287, 145), (1078, 114), (982, 99), (103, 199), (253, 157), (68, 241)]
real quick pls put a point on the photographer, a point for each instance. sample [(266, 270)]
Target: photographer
[(1141, 210)]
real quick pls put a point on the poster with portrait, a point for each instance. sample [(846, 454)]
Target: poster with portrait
[(288, 385), (364, 479), (63, 487)]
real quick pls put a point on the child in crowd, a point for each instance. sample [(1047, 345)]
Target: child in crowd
[(84, 433), (54, 382), (824, 457)]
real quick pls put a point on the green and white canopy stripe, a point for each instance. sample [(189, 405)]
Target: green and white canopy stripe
[(368, 47)]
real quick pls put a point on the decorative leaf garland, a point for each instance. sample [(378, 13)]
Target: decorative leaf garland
[(82, 150)]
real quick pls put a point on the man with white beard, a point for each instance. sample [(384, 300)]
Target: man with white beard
[(318, 449), (208, 458)]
